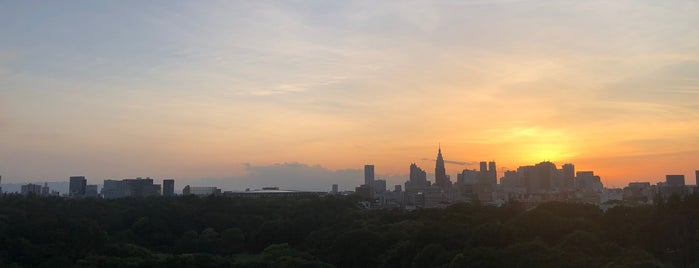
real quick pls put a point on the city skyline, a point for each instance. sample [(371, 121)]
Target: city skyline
[(237, 91)]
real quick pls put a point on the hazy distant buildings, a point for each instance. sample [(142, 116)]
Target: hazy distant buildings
[(30, 188), (379, 186), (334, 189), (77, 186), (91, 191), (364, 192), (638, 193), (169, 187), (588, 181), (674, 185), (45, 191), (200, 191), (130, 188)]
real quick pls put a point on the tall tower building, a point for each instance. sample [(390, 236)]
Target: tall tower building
[(369, 175), (484, 167), (568, 176), (696, 177), (493, 171), (440, 173)]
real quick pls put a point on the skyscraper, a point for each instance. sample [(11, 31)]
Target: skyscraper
[(169, 187), (674, 180), (568, 176), (418, 177), (369, 175), (77, 186), (440, 174), (484, 167), (696, 177)]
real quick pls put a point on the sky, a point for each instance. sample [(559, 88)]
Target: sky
[(303, 94)]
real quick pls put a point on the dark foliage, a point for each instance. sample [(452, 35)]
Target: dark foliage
[(334, 231)]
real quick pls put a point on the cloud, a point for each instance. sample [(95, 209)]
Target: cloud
[(452, 162), (289, 176)]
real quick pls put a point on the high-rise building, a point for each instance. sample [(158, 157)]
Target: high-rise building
[(334, 191), (568, 176), (468, 176), (696, 177), (379, 186), (113, 189), (369, 175), (674, 185), (0, 184), (492, 169), (587, 180), (169, 187), (418, 177), (77, 186), (674, 180), (546, 171), (440, 173), (484, 167)]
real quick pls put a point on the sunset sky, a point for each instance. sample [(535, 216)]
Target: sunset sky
[(228, 90)]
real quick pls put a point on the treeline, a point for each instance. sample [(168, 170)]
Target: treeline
[(333, 231)]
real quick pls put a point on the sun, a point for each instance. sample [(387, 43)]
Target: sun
[(548, 152)]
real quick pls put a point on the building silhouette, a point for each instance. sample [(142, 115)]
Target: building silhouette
[(168, 187), (418, 177), (45, 191), (674, 185), (674, 180), (130, 188), (92, 190), (77, 186), (30, 188), (568, 177), (379, 186), (369, 176), (441, 179), (201, 190)]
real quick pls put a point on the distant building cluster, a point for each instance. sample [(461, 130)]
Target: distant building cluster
[(37, 190), (530, 185), (146, 187)]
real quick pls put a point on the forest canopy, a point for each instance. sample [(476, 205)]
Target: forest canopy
[(333, 231)]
